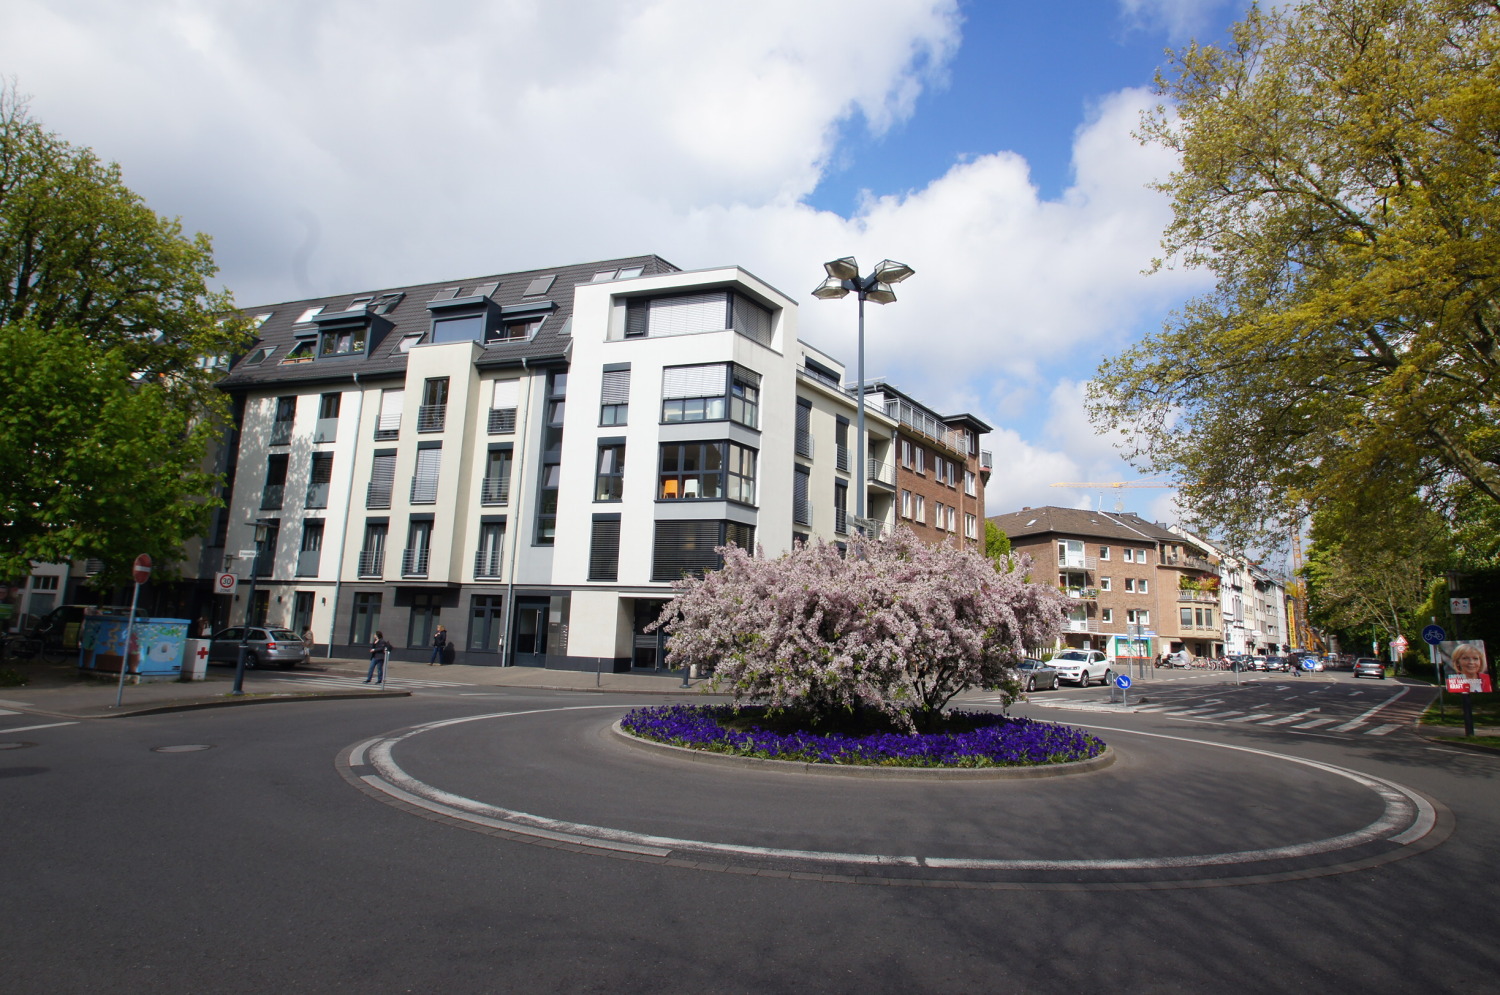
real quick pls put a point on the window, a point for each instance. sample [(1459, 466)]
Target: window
[(687, 314), (604, 548), (906, 453), (841, 444), (1103, 552), (312, 547), (265, 560), (382, 480), (1185, 616), (952, 521), (366, 620), (327, 429), (388, 426), (744, 397), (1070, 554), (804, 439), (609, 477), (309, 314), (488, 557), (319, 477), (1140, 586), (343, 342), (1130, 584), (681, 549), (939, 515), (407, 341), (281, 421), (418, 548), (921, 464), (302, 352), (503, 407), (275, 490), (372, 553), (433, 414), (707, 471), (486, 622), (971, 526), (328, 405), (1137, 616), (801, 505), (906, 504), (468, 328), (259, 355), (545, 532), (921, 509), (840, 507), (614, 396), (969, 488), (425, 608), (1106, 615), (494, 489), (424, 483), (1104, 583), (694, 393), (519, 330)]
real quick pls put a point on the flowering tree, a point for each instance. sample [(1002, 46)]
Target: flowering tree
[(895, 625)]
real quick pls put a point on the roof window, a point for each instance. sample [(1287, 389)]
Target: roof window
[(309, 314), (539, 285)]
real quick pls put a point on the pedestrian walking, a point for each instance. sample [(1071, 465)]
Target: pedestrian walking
[(380, 654), (307, 640), (439, 646)]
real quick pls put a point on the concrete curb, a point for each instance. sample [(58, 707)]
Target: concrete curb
[(835, 770)]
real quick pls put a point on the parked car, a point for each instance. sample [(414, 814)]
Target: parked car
[(1035, 675), (266, 644), (1278, 663), (1083, 667), (1255, 663), (1368, 666)]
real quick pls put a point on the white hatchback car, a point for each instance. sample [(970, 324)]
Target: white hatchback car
[(1082, 667)]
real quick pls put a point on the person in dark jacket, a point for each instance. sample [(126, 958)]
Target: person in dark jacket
[(380, 651), (439, 647)]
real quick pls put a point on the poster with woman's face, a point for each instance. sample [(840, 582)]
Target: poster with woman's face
[(1466, 665)]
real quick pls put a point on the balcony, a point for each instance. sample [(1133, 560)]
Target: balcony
[(986, 460), (1081, 625), (1076, 562), (1080, 593), (487, 564), (1198, 597), (502, 421), (494, 490), (271, 498), (432, 417), (1192, 562), (371, 562), (414, 562), (883, 474)]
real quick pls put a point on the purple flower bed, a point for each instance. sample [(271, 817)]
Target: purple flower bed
[(995, 741)]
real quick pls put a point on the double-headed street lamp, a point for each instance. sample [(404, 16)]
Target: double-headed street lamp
[(844, 279), (261, 527)]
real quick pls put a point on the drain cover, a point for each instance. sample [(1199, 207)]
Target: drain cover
[(16, 745), (191, 748)]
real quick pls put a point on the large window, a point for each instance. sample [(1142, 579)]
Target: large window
[(604, 548), (614, 396), (495, 488), (366, 621), (424, 483), (707, 471), (487, 558), (372, 553), (319, 477), (275, 490), (343, 342), (688, 548), (503, 407), (711, 392), (388, 426), (382, 479), (418, 550), (551, 470), (687, 314), (312, 548)]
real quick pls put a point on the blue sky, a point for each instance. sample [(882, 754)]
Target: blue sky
[(334, 145)]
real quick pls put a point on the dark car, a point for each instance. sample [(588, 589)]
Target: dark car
[(1368, 666), (1034, 675), (1278, 663), (266, 644)]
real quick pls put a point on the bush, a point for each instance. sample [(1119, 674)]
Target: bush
[(895, 625)]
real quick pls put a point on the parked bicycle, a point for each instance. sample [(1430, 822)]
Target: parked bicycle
[(14, 648)]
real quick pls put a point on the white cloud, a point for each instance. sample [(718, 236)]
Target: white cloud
[(332, 146), (1181, 19)]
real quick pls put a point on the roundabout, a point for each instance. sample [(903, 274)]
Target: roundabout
[(1170, 812)]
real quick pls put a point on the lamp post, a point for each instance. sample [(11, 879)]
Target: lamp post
[(261, 527), (844, 279)]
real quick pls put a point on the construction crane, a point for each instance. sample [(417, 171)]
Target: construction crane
[(1117, 484)]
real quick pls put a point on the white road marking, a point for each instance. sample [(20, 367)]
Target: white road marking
[(1348, 726), (1314, 723), (1289, 718), (1253, 718), (1220, 715), (7, 711), (1381, 730), (49, 725)]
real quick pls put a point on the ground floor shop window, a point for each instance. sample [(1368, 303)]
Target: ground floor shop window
[(486, 623), (366, 618)]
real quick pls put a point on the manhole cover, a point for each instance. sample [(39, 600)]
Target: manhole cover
[(15, 746), (191, 748)]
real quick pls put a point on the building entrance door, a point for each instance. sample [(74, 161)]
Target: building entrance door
[(529, 641)]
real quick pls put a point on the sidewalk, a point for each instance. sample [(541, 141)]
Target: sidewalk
[(56, 690)]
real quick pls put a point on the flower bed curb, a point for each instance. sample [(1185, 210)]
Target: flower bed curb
[(858, 770)]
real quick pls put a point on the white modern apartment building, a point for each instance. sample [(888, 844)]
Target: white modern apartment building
[(530, 458)]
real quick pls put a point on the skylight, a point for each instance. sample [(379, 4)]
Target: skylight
[(485, 289), (259, 355), (539, 285), (308, 314), (407, 341)]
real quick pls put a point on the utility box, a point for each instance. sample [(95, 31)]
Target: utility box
[(194, 660), (155, 653)]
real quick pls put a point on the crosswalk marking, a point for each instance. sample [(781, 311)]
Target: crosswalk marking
[(1220, 715), (1381, 730), (1253, 718), (1348, 726), (1314, 723), (1291, 718), (7, 711)]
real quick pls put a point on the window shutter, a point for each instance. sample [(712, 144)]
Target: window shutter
[(507, 394), (390, 410), (685, 548), (616, 387), (688, 313), (694, 381), (382, 481), (425, 482), (604, 548)]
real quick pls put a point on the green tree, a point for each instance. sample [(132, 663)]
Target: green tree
[(996, 544), (1337, 178), (106, 398)]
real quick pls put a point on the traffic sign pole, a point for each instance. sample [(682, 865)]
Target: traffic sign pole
[(140, 572)]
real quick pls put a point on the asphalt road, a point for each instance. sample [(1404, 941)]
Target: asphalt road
[(288, 856)]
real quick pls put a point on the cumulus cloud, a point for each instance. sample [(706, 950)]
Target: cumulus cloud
[(1181, 19), (345, 146)]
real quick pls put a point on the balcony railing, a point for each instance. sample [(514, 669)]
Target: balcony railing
[(327, 430), (281, 433), (432, 417), (1072, 562), (378, 495), (877, 472), (1080, 593), (414, 562), (307, 562), (371, 562), (1081, 625), (1199, 597), (388, 427), (487, 563), (317, 496), (272, 497), (986, 460), (494, 490), (502, 421), (1194, 562), (424, 489)]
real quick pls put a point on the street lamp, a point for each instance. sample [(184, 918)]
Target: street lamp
[(843, 279), (261, 527)]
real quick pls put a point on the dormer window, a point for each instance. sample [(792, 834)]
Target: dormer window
[(302, 352), (343, 342), (519, 330), (259, 355), (469, 328)]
